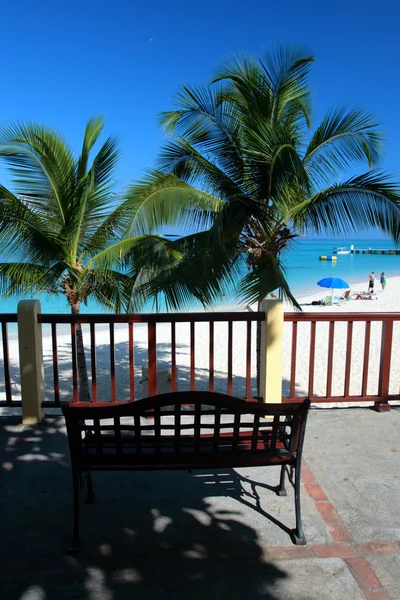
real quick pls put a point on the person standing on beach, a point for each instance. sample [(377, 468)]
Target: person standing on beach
[(371, 281), (383, 280)]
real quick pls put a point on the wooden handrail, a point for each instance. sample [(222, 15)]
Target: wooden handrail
[(200, 317), (332, 316)]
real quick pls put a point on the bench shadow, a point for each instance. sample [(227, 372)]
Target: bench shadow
[(252, 498), (232, 484), (149, 535)]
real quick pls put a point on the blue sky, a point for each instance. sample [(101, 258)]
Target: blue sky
[(64, 61)]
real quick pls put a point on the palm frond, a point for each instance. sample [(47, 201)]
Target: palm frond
[(110, 288), (23, 231), (186, 163), (265, 277), (203, 272), (93, 197), (344, 136), (19, 279), (246, 87), (366, 201), (143, 250), (110, 229), (272, 161), (160, 199), (209, 125), (105, 162), (270, 90), (287, 68), (41, 164), (93, 130)]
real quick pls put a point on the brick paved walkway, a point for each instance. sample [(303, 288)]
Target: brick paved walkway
[(355, 555)]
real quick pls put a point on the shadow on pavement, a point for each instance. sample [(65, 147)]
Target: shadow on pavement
[(149, 535)]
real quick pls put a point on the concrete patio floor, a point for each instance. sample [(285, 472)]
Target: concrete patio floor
[(206, 534)]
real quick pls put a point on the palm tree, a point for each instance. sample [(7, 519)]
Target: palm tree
[(246, 140), (63, 231)]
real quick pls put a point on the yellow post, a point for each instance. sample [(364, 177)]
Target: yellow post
[(271, 349), (31, 361)]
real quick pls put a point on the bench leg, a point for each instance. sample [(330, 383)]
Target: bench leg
[(281, 490), (298, 534), (76, 542), (90, 493)]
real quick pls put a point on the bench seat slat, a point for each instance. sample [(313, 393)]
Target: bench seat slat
[(172, 427), (192, 449)]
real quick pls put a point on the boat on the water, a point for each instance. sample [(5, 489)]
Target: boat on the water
[(341, 250)]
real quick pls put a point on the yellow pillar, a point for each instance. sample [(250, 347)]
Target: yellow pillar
[(31, 361), (271, 349)]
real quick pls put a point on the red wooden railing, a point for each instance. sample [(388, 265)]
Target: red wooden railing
[(332, 357), (361, 363), (245, 345), (6, 367)]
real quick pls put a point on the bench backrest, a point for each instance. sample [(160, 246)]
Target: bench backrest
[(182, 427)]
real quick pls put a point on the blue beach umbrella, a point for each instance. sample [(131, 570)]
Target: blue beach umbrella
[(333, 283)]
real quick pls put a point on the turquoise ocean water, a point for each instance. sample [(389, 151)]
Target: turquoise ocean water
[(304, 269)]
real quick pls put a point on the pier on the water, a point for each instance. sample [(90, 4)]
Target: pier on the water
[(393, 252), (352, 250)]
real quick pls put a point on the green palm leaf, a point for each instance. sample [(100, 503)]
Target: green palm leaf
[(41, 164), (27, 279), (159, 199), (366, 201), (207, 123), (266, 276), (344, 136), (271, 90), (93, 130), (24, 231)]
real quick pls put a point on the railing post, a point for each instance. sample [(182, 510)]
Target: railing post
[(271, 348), (152, 357), (384, 370), (31, 361)]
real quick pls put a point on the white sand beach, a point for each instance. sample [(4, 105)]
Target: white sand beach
[(388, 301), (385, 301)]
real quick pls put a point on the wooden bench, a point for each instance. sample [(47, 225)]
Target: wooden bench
[(185, 430)]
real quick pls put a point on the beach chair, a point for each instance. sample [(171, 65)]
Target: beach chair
[(329, 300), (346, 297)]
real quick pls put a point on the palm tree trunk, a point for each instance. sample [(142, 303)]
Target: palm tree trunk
[(83, 380)]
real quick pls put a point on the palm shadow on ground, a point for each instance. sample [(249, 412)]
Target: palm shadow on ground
[(155, 535), (149, 535)]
